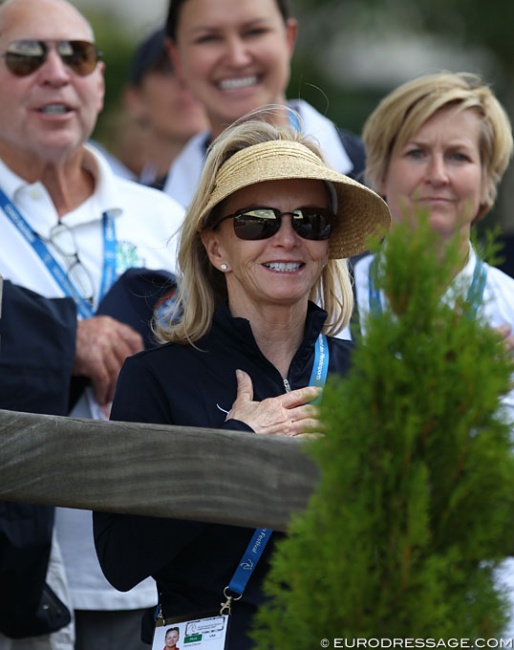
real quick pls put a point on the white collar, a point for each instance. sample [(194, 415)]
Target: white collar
[(186, 169)]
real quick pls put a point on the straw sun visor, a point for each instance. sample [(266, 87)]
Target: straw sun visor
[(360, 212)]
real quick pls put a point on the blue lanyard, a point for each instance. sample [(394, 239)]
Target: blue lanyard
[(261, 536), (294, 122), (473, 298), (109, 270), (248, 562), (110, 245), (476, 290), (375, 303), (320, 365)]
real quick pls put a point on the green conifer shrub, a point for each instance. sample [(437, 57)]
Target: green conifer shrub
[(415, 503)]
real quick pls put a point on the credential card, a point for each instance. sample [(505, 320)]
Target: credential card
[(208, 633)]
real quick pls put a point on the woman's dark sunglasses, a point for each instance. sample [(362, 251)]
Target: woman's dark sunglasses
[(25, 57), (261, 223)]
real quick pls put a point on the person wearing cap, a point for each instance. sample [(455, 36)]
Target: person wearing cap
[(160, 115), (266, 235)]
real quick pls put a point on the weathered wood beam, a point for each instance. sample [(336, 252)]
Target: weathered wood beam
[(178, 472)]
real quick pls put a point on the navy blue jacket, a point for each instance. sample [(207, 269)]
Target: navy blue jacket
[(192, 562), (37, 351)]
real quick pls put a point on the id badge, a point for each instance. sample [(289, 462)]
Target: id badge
[(207, 633)]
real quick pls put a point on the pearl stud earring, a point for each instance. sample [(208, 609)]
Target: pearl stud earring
[(224, 267)]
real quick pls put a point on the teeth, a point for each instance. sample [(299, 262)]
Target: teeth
[(55, 109), (283, 266), (236, 84)]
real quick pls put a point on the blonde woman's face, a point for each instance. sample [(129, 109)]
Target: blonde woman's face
[(278, 271), (439, 171), (234, 55)]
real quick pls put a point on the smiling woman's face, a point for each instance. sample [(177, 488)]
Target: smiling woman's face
[(278, 271), (439, 171), (234, 55)]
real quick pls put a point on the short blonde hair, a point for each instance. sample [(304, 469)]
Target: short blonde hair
[(201, 287), (402, 113)]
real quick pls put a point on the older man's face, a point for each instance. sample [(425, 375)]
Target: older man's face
[(46, 115)]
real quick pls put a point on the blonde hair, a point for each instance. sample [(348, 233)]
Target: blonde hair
[(402, 113), (201, 287)]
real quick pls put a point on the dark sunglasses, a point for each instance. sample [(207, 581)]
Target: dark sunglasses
[(25, 57), (262, 223)]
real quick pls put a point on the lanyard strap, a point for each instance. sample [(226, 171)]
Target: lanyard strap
[(261, 536), (375, 302), (251, 556), (110, 246), (473, 298), (41, 249), (294, 122), (320, 365), (476, 290)]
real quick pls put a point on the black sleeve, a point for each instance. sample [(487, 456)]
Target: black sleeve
[(37, 351), (129, 547)]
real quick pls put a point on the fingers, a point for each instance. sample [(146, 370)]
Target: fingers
[(302, 420), (102, 346), (287, 422), (301, 396), (288, 415), (309, 436), (244, 397), (505, 331), (244, 385)]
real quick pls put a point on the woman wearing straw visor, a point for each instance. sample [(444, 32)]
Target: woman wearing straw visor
[(264, 240)]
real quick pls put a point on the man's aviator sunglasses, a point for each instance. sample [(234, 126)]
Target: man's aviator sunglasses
[(22, 58), (261, 223)]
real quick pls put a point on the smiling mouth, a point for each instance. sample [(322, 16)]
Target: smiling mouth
[(55, 109), (283, 267), (433, 199), (238, 84)]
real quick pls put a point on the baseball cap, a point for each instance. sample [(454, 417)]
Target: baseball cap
[(150, 55)]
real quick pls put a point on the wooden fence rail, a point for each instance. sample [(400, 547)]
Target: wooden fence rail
[(184, 473)]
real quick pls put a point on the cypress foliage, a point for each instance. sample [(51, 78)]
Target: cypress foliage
[(414, 506)]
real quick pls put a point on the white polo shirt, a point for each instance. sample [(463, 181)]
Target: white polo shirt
[(145, 221), (497, 305)]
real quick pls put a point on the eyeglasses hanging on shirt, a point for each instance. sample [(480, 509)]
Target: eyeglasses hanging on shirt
[(72, 282), (63, 241)]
